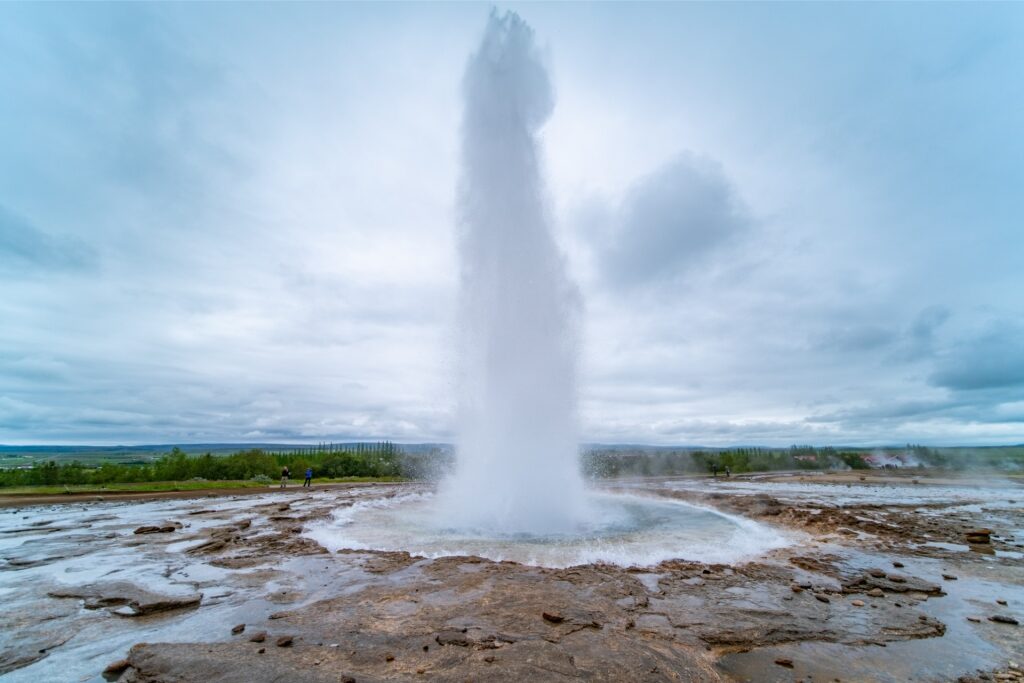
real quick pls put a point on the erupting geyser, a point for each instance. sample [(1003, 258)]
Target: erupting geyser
[(518, 468), (517, 493)]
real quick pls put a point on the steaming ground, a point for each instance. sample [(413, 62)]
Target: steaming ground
[(881, 580), (620, 529)]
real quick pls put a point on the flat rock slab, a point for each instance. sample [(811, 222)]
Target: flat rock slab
[(891, 584), (128, 599)]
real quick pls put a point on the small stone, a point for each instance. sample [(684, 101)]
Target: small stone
[(877, 573), (949, 577), (1003, 619), (782, 661), (976, 620), (237, 629), (116, 667), (261, 650), (898, 565), (922, 617), (796, 589), (452, 638), (346, 679), (821, 598), (857, 603), (1000, 602), (258, 637), (489, 658), (898, 579), (553, 617), (389, 657), (421, 671), (876, 593), (806, 585), (285, 641)]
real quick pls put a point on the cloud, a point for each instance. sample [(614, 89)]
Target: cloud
[(222, 223), (989, 360), (672, 221), (855, 338), (26, 248), (927, 323)]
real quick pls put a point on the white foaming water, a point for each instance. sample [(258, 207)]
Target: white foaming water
[(518, 466), (626, 530)]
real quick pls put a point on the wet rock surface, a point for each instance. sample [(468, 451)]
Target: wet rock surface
[(850, 605), (128, 598)]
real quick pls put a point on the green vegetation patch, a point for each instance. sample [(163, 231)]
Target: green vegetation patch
[(252, 467)]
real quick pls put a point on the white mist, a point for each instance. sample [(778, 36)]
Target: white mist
[(518, 466)]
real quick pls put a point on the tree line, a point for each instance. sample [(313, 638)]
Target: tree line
[(383, 459), (603, 463)]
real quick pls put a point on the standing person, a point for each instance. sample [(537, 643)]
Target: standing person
[(285, 473), (714, 471), (728, 472), (309, 477)]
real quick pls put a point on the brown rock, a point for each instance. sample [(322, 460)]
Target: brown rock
[(261, 650), (238, 629), (285, 641), (164, 528), (821, 598), (116, 667), (876, 593), (978, 536), (796, 589), (1003, 619), (782, 661), (898, 565), (1000, 602), (949, 577), (976, 620), (128, 599), (453, 638), (877, 573), (553, 617), (857, 603), (258, 637), (389, 657)]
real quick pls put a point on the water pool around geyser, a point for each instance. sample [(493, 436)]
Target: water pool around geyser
[(622, 529)]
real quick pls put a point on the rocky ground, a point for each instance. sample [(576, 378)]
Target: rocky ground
[(879, 585)]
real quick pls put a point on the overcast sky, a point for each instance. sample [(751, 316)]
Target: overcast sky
[(797, 223)]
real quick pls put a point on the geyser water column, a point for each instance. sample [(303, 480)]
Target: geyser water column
[(518, 467)]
